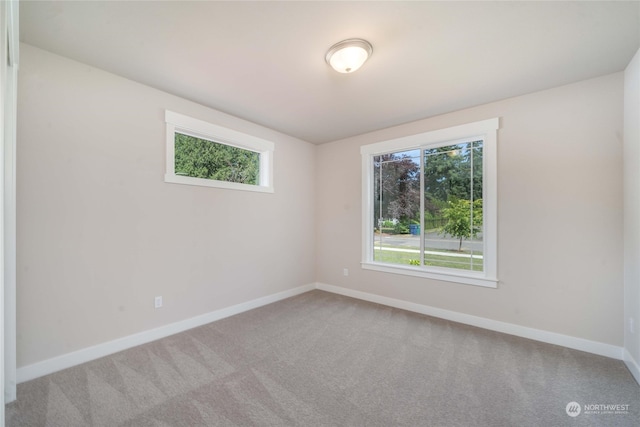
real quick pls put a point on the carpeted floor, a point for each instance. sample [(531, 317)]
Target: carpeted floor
[(321, 359)]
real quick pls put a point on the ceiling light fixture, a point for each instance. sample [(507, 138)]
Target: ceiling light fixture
[(349, 55)]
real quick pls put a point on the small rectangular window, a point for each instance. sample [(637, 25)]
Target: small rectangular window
[(201, 158), (200, 153)]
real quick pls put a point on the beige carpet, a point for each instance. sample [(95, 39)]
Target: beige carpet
[(320, 359)]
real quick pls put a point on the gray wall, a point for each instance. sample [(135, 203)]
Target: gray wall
[(632, 207), (559, 214), (101, 233)]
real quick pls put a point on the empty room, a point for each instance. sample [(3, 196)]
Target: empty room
[(320, 213)]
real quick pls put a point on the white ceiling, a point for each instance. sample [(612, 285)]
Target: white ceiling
[(264, 61)]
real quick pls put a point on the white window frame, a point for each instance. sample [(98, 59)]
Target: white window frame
[(487, 131), (179, 123)]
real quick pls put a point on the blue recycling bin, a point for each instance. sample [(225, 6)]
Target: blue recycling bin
[(414, 229)]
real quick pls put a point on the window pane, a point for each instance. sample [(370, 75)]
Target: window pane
[(453, 206), (397, 207), (201, 158)]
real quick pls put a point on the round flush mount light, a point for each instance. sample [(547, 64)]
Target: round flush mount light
[(349, 55)]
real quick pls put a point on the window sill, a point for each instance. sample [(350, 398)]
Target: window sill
[(466, 279), (186, 180)]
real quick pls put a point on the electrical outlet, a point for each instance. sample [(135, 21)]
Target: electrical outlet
[(345, 271), (632, 327), (157, 302)]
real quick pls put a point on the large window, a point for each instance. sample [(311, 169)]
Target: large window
[(200, 153), (430, 204)]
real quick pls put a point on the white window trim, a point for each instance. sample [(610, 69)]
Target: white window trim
[(200, 129), (487, 130)]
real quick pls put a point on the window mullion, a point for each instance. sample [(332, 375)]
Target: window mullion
[(471, 200), (380, 215), (422, 229)]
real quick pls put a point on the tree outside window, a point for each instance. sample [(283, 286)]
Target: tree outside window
[(451, 219)]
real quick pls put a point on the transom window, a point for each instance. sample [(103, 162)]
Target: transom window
[(200, 153), (430, 204)]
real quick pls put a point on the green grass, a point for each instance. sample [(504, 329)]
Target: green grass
[(405, 258)]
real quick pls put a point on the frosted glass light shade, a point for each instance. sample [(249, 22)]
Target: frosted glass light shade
[(348, 55)]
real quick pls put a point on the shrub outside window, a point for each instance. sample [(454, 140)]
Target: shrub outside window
[(429, 204), (200, 153)]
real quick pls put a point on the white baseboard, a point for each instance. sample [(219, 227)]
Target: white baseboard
[(594, 347), (632, 364), (68, 360)]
